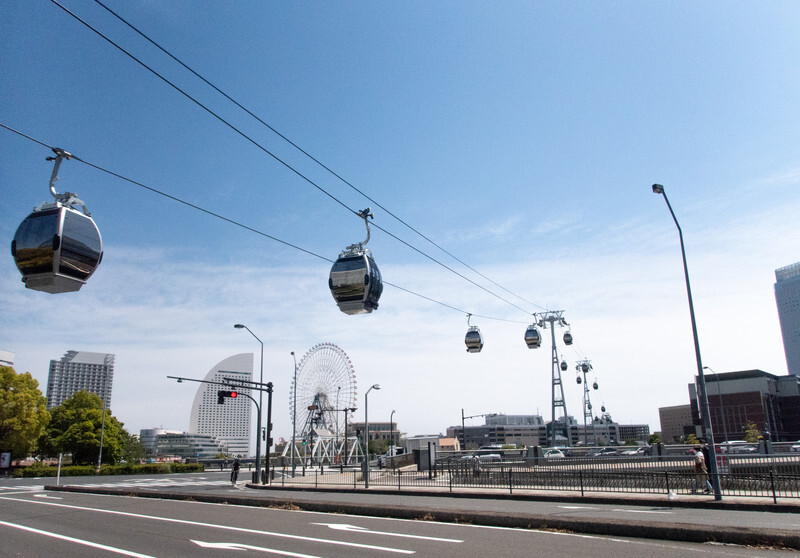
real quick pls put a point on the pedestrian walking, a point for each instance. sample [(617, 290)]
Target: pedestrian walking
[(700, 472), (235, 471)]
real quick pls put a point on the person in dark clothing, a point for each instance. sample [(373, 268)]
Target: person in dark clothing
[(235, 471)]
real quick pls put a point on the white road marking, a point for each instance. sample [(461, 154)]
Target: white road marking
[(356, 528), (47, 496), (74, 540), (212, 526), (644, 511), (577, 507), (240, 546)]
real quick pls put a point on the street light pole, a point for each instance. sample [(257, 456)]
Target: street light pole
[(703, 396), (391, 431), (346, 456), (294, 416), (260, 397), (366, 430), (102, 423)]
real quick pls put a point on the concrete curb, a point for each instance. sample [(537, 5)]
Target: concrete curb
[(637, 529)]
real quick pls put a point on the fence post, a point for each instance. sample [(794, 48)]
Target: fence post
[(510, 483), (316, 479), (580, 476), (772, 483), (450, 467), (666, 476), (354, 478), (399, 476)]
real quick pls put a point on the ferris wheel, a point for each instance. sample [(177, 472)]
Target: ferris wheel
[(326, 385)]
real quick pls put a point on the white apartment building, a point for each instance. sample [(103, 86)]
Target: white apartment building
[(80, 370)]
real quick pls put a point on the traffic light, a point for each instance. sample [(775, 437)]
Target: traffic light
[(222, 394)]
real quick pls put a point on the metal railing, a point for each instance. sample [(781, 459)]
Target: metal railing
[(761, 476)]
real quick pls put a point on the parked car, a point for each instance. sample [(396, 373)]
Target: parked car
[(485, 457), (641, 450), (603, 452), (554, 454), (393, 451), (739, 446), (796, 447)]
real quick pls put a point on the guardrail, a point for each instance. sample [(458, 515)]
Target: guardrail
[(762, 476)]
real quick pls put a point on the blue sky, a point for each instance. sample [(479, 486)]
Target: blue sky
[(523, 137)]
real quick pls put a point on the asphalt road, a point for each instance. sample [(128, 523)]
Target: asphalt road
[(34, 523), (216, 483)]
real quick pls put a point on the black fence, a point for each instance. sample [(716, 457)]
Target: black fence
[(761, 476)]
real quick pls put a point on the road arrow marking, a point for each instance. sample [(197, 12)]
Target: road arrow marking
[(357, 529), (77, 541), (240, 546)]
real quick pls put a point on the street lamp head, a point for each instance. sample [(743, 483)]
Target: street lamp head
[(376, 386), (292, 353), (658, 189), (238, 326)]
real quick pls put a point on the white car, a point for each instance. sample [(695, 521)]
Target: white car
[(796, 447), (554, 454)]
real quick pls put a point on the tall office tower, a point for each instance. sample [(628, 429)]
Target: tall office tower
[(787, 295), (229, 422), (80, 370)]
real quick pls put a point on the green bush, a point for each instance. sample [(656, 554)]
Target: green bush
[(42, 470)]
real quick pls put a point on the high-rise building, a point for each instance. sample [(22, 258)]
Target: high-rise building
[(787, 296), (229, 422), (6, 358), (80, 370)]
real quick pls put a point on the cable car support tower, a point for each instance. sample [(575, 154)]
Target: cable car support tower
[(555, 318), (583, 367)]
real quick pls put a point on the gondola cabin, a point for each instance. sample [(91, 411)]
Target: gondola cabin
[(57, 248), (474, 340), (568, 338), (355, 283), (532, 337)]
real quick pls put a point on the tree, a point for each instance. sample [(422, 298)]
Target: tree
[(751, 433), (75, 427), (654, 439), (23, 412), (692, 440), (132, 449)]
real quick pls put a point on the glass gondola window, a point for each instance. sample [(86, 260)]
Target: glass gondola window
[(34, 243), (81, 247)]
